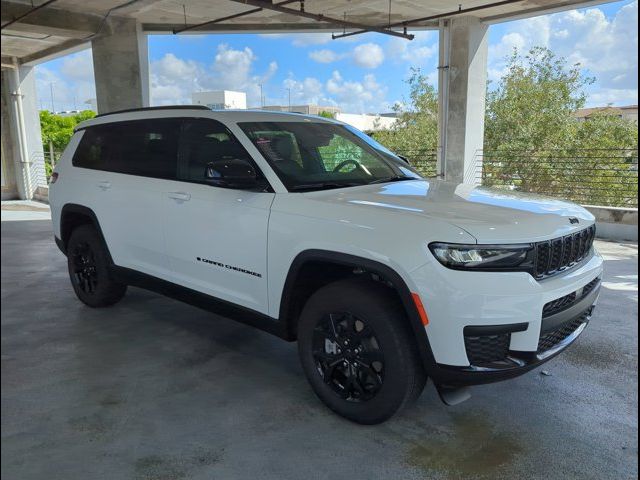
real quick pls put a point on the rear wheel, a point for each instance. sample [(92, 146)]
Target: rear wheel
[(88, 264), (357, 351)]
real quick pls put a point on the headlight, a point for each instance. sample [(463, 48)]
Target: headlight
[(484, 257)]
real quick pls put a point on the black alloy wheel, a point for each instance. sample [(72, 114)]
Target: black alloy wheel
[(357, 350), (348, 356), (85, 270), (89, 269)]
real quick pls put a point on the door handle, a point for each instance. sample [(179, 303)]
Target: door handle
[(106, 185), (180, 196)]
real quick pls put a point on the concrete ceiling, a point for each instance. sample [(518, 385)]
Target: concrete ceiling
[(59, 26)]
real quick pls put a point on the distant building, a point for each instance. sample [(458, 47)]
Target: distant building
[(628, 112), (220, 99), (304, 109), (367, 122), (68, 113), (93, 104)]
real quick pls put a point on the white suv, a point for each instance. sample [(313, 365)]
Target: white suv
[(309, 229)]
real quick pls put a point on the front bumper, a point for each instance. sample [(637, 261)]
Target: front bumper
[(514, 363), (527, 320)]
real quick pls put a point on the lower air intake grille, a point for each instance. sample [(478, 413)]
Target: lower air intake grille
[(567, 301), (487, 348), (554, 337)]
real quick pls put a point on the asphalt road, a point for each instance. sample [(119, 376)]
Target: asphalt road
[(155, 389)]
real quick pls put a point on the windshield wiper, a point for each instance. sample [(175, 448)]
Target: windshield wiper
[(321, 186), (395, 178)]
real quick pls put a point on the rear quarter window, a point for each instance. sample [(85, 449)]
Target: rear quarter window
[(147, 148)]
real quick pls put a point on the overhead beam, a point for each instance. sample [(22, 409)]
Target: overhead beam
[(542, 10), (322, 18), (136, 6), (27, 12), (202, 25), (48, 20), (152, 28), (432, 18), (65, 48)]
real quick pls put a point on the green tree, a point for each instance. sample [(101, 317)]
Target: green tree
[(325, 114), (57, 131), (415, 134), (534, 142)]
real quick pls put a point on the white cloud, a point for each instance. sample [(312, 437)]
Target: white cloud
[(174, 79), (72, 85), (423, 47), (308, 91), (352, 96), (78, 66), (357, 97), (368, 55), (325, 56), (606, 48)]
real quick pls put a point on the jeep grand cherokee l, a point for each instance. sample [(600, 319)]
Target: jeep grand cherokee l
[(310, 230)]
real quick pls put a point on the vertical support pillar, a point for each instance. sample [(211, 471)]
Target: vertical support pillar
[(462, 94), (121, 67), (25, 136)]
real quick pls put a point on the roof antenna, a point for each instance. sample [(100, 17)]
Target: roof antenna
[(302, 6), (184, 12)]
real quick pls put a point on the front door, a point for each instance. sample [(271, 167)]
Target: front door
[(216, 237)]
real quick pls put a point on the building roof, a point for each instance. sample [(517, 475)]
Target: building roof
[(610, 110), (36, 32)]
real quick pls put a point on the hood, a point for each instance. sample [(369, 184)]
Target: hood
[(489, 215)]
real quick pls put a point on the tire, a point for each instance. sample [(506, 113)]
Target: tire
[(88, 264), (370, 386)]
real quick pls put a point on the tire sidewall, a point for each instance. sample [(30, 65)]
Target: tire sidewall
[(372, 304), (107, 291)]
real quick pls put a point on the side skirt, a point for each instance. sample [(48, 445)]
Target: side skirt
[(201, 300)]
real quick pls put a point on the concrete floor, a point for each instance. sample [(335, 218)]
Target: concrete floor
[(155, 389)]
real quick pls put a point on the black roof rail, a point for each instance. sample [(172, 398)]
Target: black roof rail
[(145, 109)]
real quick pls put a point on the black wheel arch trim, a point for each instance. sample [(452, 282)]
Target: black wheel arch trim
[(74, 208), (372, 266)]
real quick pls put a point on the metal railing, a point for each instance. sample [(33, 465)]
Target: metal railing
[(606, 177), (423, 160)]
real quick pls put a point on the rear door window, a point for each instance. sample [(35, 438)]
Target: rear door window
[(147, 148)]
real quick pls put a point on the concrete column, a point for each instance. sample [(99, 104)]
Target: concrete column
[(462, 91), (121, 67), (22, 139)]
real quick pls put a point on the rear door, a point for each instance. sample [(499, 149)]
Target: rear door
[(217, 237), (132, 163)]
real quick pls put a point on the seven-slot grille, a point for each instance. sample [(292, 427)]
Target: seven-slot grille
[(556, 255)]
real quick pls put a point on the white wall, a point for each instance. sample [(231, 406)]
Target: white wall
[(367, 123), (220, 99)]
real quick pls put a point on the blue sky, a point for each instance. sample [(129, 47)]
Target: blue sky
[(364, 73)]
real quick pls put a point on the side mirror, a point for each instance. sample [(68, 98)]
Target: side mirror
[(232, 173), (403, 158)]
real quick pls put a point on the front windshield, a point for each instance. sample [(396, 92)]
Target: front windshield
[(314, 156)]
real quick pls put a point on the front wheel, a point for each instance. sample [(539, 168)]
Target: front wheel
[(357, 351)]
